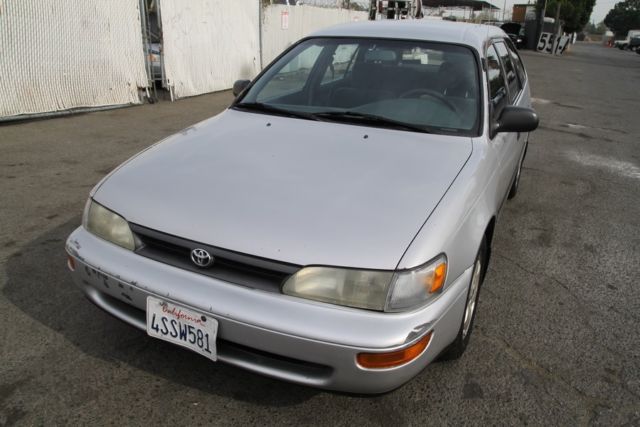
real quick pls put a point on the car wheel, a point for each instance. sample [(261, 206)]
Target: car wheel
[(459, 345), (516, 181)]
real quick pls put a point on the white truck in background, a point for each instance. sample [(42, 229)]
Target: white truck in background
[(624, 44)]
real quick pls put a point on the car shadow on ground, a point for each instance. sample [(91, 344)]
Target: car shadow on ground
[(39, 285)]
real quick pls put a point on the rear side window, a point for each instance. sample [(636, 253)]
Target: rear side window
[(515, 58), (497, 84), (512, 79)]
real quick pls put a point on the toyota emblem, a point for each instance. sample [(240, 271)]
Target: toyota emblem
[(201, 258)]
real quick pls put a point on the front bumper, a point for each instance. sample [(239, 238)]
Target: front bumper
[(276, 335)]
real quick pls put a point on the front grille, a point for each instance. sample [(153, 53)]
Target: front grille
[(230, 266)]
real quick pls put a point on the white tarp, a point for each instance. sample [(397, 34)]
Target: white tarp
[(62, 54), (284, 25), (209, 44)]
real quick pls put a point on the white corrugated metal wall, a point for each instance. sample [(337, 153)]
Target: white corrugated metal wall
[(63, 54), (299, 22), (208, 44), (58, 55)]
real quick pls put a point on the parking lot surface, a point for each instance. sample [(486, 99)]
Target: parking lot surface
[(556, 338)]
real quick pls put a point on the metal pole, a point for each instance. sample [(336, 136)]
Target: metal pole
[(260, 17), (163, 76), (146, 45), (418, 6), (504, 8), (541, 6), (373, 10), (556, 31), (557, 22)]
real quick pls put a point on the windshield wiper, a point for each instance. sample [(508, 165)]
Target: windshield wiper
[(266, 108), (337, 116), (372, 119)]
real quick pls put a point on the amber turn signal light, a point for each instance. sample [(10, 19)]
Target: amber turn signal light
[(438, 277), (71, 263), (394, 358)]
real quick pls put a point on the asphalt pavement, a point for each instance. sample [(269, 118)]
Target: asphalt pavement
[(557, 338)]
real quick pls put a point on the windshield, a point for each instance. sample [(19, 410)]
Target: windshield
[(413, 85)]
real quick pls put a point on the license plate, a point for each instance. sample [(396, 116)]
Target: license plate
[(182, 326)]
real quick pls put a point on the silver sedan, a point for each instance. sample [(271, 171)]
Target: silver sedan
[(334, 225)]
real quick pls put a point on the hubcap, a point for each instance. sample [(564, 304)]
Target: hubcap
[(471, 298)]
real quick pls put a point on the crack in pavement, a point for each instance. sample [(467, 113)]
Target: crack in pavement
[(583, 305), (578, 134), (589, 403), (585, 311)]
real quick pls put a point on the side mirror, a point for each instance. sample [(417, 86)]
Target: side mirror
[(515, 119), (239, 86)]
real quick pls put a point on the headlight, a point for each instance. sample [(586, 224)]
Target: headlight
[(370, 289), (354, 288), (108, 225)]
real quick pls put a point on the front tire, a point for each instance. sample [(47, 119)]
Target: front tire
[(459, 345)]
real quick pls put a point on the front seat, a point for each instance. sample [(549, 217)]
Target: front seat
[(364, 79), (456, 78)]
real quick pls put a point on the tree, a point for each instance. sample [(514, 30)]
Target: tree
[(601, 28), (592, 28), (623, 17), (574, 13)]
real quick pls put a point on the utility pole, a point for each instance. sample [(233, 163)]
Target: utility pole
[(556, 28), (540, 9)]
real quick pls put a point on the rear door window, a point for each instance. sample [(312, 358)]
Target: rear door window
[(515, 58), (512, 78), (497, 84)]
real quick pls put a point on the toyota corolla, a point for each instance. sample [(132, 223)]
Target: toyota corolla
[(334, 225)]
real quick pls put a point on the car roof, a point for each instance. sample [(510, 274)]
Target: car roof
[(473, 35)]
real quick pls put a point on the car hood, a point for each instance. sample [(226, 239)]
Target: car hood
[(288, 189)]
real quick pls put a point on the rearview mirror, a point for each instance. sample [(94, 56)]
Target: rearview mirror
[(239, 86), (515, 119)]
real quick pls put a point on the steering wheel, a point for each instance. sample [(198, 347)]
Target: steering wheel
[(416, 93)]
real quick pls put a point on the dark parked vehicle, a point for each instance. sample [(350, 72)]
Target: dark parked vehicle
[(515, 32)]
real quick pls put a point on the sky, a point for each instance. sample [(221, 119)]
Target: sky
[(601, 9)]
